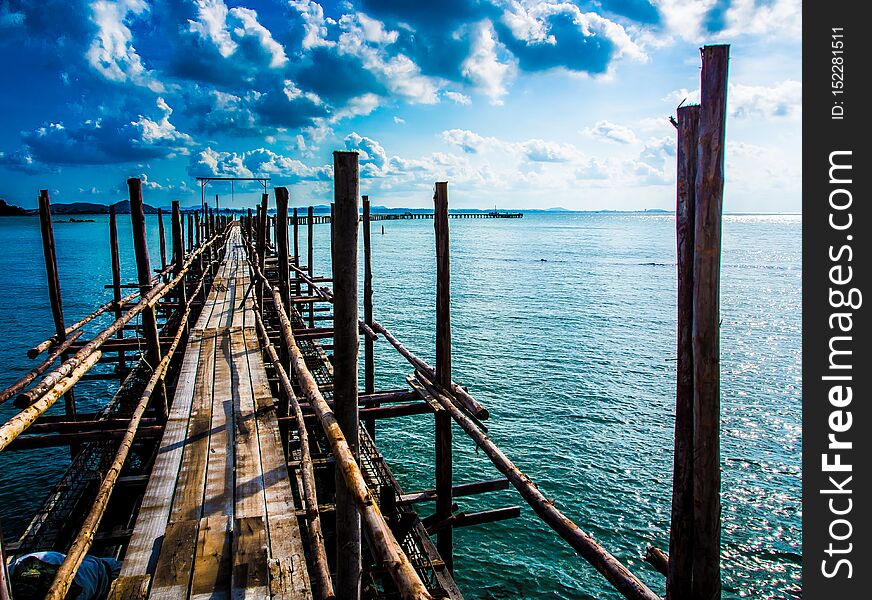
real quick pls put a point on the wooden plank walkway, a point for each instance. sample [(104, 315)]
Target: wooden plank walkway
[(218, 518)]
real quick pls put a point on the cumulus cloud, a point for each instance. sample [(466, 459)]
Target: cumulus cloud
[(255, 163), (111, 52), (107, 140), (782, 99), (458, 98), (612, 132)]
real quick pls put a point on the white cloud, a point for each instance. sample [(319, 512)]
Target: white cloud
[(483, 68), (399, 120), (227, 28), (111, 52), (458, 98), (314, 24), (162, 132), (612, 132), (256, 163), (783, 99), (211, 24), (249, 26)]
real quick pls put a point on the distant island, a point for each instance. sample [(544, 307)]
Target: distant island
[(10, 210), (73, 208)]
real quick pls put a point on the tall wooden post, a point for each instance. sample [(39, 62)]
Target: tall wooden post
[(332, 210), (143, 272), (282, 242), (116, 279), (162, 238), (445, 537), (262, 229), (706, 330), (310, 260), (190, 219), (296, 250), (179, 254), (54, 286), (368, 346), (680, 565), (345, 343), (197, 233), (248, 226)]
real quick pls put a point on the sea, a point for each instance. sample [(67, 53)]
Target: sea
[(563, 326)]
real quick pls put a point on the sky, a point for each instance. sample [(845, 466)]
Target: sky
[(517, 104)]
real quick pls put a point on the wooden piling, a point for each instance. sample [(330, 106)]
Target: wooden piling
[(345, 344), (282, 242), (143, 271), (368, 345), (310, 259), (296, 263), (444, 455), (190, 220), (54, 285), (116, 279), (679, 577), (706, 331), (178, 252), (162, 239), (248, 225)]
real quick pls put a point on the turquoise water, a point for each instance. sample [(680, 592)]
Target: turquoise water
[(564, 329)]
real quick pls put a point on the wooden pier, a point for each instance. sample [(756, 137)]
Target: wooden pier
[(238, 455)]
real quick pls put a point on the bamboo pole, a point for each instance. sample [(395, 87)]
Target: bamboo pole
[(384, 545), (162, 239), (706, 331), (316, 534), (54, 284), (466, 401), (12, 428), (612, 569), (70, 368), (116, 279), (85, 539), (444, 457), (345, 349), (680, 571), (368, 345), (39, 369)]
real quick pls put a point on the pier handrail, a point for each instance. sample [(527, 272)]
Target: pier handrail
[(316, 535), (53, 340), (385, 546), (54, 385), (66, 573)]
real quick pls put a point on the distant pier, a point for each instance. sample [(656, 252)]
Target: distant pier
[(322, 219)]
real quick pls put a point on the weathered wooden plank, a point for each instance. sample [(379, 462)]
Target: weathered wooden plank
[(250, 574), (218, 499), (190, 485), (141, 554), (211, 577), (249, 486), (288, 562), (133, 587), (172, 574)]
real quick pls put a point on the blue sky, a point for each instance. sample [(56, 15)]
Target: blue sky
[(518, 104)]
